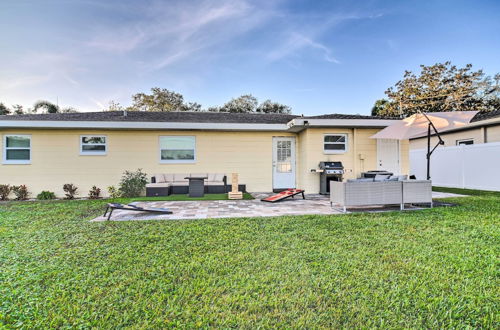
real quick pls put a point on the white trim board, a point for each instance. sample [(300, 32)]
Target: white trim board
[(304, 122), (140, 125)]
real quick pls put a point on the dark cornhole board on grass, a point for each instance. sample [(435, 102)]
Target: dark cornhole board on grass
[(284, 195), (130, 207)]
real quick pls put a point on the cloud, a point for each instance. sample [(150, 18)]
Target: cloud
[(300, 37), (117, 48), (122, 41), (173, 32), (25, 81), (42, 67), (298, 42)]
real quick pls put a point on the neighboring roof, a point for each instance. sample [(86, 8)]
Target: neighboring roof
[(146, 116), (486, 115), (344, 116)]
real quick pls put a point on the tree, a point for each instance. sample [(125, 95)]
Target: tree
[(114, 106), (68, 110), (48, 106), (192, 106), (160, 99), (244, 103), (273, 107), (443, 87), (17, 109), (489, 92), (4, 110), (379, 107), (213, 109), (51, 107)]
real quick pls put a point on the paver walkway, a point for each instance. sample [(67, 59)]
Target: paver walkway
[(185, 210)]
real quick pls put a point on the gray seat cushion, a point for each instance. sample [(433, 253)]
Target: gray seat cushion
[(159, 178), (180, 183), (214, 183), (361, 180), (158, 185), (179, 177), (381, 177), (198, 175), (169, 177), (213, 177)]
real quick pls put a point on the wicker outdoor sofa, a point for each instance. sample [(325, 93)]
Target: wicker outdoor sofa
[(176, 183), (362, 193)]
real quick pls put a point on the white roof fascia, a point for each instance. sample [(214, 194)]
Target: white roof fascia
[(341, 122), (140, 125)]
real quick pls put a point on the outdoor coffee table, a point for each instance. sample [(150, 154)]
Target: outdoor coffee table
[(196, 186)]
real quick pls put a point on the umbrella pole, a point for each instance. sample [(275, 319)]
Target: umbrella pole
[(429, 151)]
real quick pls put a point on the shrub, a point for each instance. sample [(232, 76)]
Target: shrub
[(46, 195), (132, 184), (94, 193), (113, 192), (5, 190), (21, 192), (70, 190)]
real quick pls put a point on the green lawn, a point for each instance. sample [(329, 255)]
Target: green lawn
[(470, 192), (431, 268)]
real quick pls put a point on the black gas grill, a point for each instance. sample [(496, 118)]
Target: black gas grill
[(331, 171)]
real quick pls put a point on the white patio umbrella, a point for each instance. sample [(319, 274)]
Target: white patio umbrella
[(421, 123)]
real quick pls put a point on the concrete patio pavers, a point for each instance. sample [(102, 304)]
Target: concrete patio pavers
[(190, 210)]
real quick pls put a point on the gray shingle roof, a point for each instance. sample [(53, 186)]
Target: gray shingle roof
[(486, 115), (194, 117), (347, 116), (199, 117), (142, 116)]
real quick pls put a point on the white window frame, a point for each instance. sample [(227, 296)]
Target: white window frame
[(346, 143), (458, 142), (93, 153), (5, 148), (176, 161)]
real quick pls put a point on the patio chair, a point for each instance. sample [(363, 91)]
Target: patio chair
[(129, 207)]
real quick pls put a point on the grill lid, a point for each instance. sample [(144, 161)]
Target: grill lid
[(331, 165)]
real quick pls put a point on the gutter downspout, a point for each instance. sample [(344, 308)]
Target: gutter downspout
[(355, 152)]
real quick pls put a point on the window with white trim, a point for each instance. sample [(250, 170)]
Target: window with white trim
[(465, 142), (177, 149), (334, 143), (17, 149), (93, 145)]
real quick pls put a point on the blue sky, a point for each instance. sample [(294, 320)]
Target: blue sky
[(316, 56)]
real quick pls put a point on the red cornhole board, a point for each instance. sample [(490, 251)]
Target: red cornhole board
[(283, 195)]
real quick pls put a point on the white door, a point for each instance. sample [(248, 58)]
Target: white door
[(388, 155), (283, 162)]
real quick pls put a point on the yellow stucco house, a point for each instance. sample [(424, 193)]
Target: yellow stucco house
[(268, 151)]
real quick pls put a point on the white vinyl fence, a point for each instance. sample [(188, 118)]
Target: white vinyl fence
[(474, 166)]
